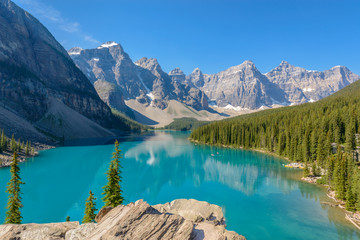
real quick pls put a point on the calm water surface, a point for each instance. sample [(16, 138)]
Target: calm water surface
[(261, 198)]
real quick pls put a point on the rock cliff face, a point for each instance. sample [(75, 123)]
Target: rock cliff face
[(240, 86), (35, 72), (116, 78), (243, 86), (302, 85), (181, 219)]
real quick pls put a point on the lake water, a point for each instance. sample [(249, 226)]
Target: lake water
[(261, 198)]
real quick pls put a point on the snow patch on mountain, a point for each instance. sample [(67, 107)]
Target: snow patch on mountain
[(308, 90), (107, 45)]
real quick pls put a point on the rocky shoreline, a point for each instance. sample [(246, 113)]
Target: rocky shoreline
[(6, 157), (354, 218), (180, 220)]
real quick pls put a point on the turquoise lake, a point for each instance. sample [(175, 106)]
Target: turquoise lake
[(261, 198)]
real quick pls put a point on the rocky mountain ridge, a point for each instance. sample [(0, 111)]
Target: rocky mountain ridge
[(303, 85), (238, 88), (243, 86), (117, 78)]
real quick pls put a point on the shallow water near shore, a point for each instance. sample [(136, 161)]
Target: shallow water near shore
[(261, 198)]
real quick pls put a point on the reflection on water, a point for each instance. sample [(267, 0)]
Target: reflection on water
[(261, 198)]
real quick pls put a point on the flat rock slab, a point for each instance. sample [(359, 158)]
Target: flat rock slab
[(32, 231), (179, 220)]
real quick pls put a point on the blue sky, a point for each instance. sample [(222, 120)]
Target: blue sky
[(211, 35)]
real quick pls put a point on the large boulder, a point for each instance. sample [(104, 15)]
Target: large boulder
[(181, 219), (53, 231)]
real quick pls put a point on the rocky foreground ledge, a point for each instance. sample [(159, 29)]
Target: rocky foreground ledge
[(180, 219)]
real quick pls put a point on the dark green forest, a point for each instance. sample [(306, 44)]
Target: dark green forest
[(185, 124), (323, 135)]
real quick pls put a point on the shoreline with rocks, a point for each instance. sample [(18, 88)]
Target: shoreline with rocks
[(353, 217), (6, 157)]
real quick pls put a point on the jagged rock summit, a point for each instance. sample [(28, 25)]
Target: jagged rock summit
[(240, 86), (303, 85), (117, 79), (181, 219)]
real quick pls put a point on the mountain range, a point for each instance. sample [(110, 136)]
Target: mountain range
[(118, 80), (47, 92)]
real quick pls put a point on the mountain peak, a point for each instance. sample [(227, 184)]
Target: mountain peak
[(196, 71), (108, 45), (248, 62), (147, 61), (338, 66), (284, 64), (176, 71), (244, 65), (75, 51)]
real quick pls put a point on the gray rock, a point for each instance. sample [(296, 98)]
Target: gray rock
[(177, 75), (116, 78), (53, 231), (102, 213), (193, 210), (35, 69), (81, 232), (239, 86), (302, 85), (181, 219)]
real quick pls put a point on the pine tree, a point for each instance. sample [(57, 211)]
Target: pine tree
[(314, 169), (4, 143), (339, 176), (27, 149), (13, 145), (313, 146), (321, 150), (306, 170), (350, 137), (19, 149), (306, 147), (90, 209), (13, 214), (350, 199), (112, 191)]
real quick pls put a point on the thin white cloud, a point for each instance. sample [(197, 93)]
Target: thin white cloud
[(91, 39), (50, 13)]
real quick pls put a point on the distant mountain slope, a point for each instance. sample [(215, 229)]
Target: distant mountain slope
[(240, 86), (302, 85), (331, 117), (243, 86), (236, 90), (117, 78), (36, 72)]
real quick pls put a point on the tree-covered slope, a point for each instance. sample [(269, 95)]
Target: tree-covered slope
[(305, 133), (185, 124)]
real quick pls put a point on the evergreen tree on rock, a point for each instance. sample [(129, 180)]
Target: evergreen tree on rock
[(90, 209), (112, 191)]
